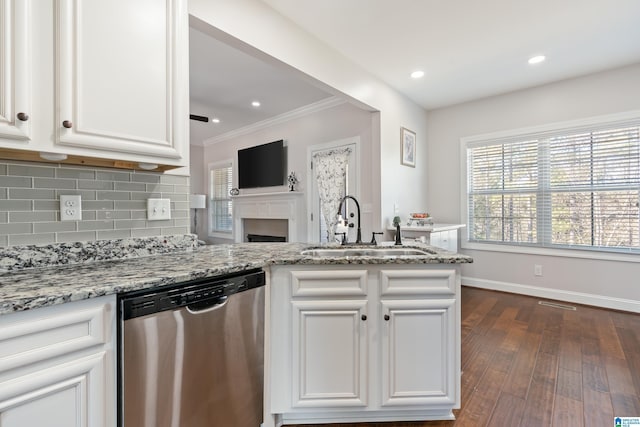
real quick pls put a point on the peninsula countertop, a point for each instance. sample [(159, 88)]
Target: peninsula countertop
[(38, 287)]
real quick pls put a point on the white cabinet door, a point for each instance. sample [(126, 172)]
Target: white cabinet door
[(418, 344), (447, 240), (66, 395), (58, 365), (435, 239), (15, 73), (329, 353), (123, 79)]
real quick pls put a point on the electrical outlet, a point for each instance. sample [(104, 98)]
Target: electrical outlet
[(537, 270), (70, 208), (158, 209)]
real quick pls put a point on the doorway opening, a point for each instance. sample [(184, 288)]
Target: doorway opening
[(317, 229)]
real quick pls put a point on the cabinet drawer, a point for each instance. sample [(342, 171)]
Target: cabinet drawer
[(43, 333), (411, 282), (309, 283)]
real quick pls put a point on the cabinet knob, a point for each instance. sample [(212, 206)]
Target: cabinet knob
[(67, 124), (364, 317), (386, 317), (23, 117)]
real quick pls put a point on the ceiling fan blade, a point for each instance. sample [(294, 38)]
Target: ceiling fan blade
[(198, 118)]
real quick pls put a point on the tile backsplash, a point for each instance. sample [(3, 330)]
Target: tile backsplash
[(114, 203)]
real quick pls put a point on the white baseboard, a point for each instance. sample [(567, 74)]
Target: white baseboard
[(556, 294)]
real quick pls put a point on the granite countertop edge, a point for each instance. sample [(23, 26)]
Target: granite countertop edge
[(24, 290)]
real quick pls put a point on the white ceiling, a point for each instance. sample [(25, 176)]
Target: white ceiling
[(469, 49), (224, 81)]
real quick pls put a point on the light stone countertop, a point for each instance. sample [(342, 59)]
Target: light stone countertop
[(38, 287)]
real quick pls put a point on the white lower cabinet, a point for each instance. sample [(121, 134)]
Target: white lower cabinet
[(417, 344), (363, 343), (329, 353), (447, 239), (57, 366)]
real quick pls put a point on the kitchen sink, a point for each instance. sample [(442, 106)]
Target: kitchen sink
[(374, 252)]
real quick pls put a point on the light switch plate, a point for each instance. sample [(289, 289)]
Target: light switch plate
[(70, 208), (158, 209)]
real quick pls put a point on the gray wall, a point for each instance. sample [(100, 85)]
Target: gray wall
[(611, 282), (113, 203)]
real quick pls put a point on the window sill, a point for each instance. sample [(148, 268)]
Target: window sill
[(555, 252)]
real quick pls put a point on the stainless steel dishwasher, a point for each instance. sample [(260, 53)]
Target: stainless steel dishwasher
[(191, 355)]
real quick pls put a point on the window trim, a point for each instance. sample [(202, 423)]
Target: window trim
[(217, 165), (546, 130)]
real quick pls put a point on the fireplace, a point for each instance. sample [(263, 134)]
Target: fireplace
[(281, 214), (265, 230)]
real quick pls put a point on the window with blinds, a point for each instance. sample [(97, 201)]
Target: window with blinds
[(221, 206), (576, 189)]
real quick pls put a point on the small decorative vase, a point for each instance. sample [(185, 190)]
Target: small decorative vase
[(292, 179)]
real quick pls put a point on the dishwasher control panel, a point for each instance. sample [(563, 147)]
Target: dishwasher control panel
[(142, 303)]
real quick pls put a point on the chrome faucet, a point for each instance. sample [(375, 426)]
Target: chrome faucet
[(359, 233)]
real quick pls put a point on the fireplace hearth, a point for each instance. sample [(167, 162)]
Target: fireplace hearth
[(265, 238)]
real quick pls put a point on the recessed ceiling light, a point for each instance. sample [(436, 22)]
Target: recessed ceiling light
[(417, 74), (256, 103), (537, 59), (215, 120)]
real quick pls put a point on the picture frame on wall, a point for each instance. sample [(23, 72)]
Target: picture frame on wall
[(407, 147)]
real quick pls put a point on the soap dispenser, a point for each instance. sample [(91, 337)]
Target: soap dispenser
[(396, 222)]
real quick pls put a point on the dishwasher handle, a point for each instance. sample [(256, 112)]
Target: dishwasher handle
[(206, 306)]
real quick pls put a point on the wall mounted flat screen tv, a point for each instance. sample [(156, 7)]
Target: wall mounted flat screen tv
[(262, 166)]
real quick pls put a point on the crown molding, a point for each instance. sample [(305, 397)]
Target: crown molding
[(324, 104)]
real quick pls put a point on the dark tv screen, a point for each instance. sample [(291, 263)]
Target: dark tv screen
[(262, 165)]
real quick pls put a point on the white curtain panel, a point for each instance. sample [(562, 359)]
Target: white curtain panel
[(330, 170)]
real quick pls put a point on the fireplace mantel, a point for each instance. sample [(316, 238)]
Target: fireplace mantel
[(289, 205)]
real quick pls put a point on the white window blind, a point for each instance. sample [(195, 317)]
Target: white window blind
[(577, 189), (221, 206)]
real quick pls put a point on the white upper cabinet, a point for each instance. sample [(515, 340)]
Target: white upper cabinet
[(109, 81), (122, 77), (15, 73)]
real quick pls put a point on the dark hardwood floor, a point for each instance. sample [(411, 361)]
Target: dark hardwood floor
[(526, 364)]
